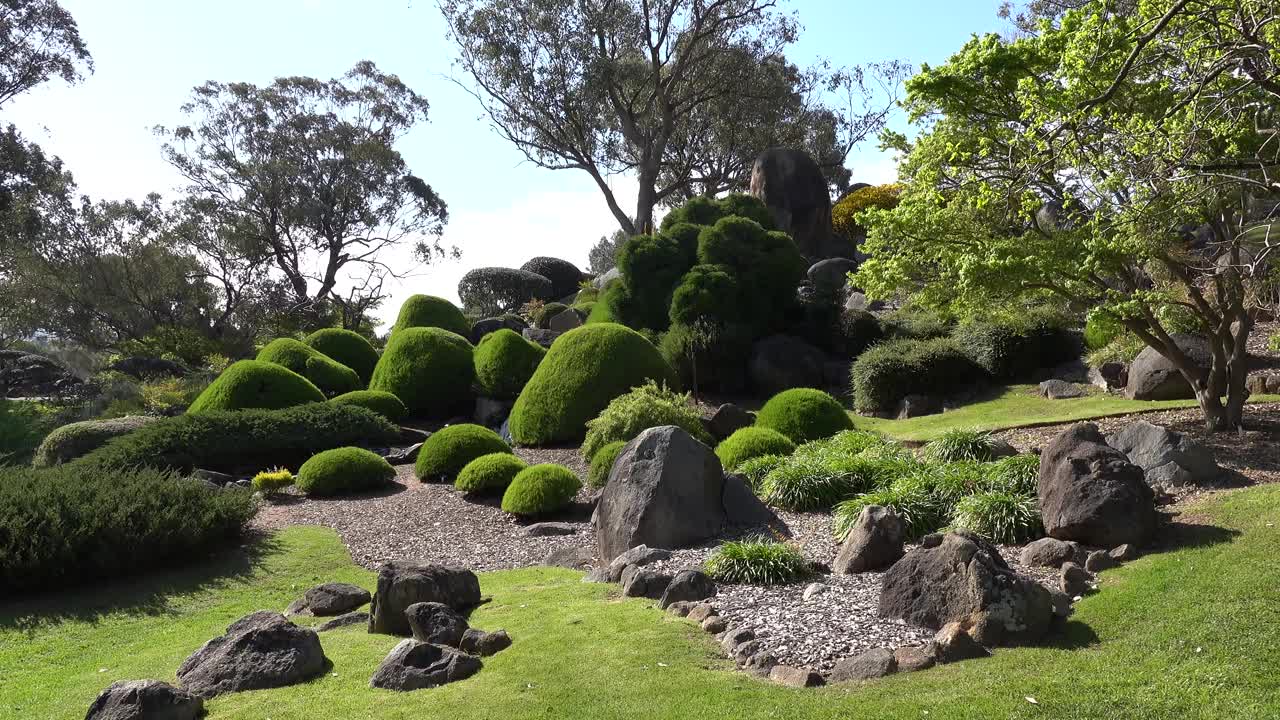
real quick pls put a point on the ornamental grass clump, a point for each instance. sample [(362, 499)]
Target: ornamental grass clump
[(1019, 474), (909, 497), (757, 561), (489, 474), (820, 474), (755, 470), (961, 444), (541, 489), (650, 405), (1001, 517)]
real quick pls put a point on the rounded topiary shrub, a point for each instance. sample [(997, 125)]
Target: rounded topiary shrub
[(428, 368), (651, 265), (540, 489), (497, 290), (349, 348), (343, 470), (447, 451), (602, 463), (428, 311), (489, 474), (752, 442), (256, 384), (80, 438), (564, 275), (331, 376), (504, 361), (384, 403), (804, 414), (583, 371), (707, 292)]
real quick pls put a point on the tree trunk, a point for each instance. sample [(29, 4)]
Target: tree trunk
[(646, 199)]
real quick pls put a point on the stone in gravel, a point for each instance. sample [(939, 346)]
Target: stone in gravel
[(727, 419), (1099, 560), (760, 664), (916, 657), (434, 622), (1090, 492), (1000, 448), (351, 618), (743, 509), (402, 583), (643, 582), (414, 665), (484, 644), (332, 599), (955, 644), (794, 676), (260, 650), (735, 637), (743, 652), (714, 624), (1124, 553), (640, 556), (1049, 552), (548, 529), (1061, 603), (874, 542), (403, 456), (701, 611), (1056, 389), (1074, 580), (664, 491), (870, 664), (680, 608), (688, 586), (1169, 458), (145, 700), (813, 590), (573, 558)]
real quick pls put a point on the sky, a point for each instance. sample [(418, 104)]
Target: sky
[(149, 54)]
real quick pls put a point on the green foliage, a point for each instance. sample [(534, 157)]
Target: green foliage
[(747, 206), (909, 497), (343, 470), (23, 425), (80, 438), (564, 275), (752, 442), (348, 348), (1125, 348), (613, 299), (379, 401), (755, 469), (1273, 342), (541, 489), (844, 213), (270, 482), (172, 396), (1100, 330), (702, 210), (804, 414), (329, 375), (428, 368), (1013, 349), (887, 372), (757, 561), (1018, 475), (256, 384), (429, 311), (649, 405), (820, 474), (69, 526), (706, 291), (1001, 517), (712, 354), (504, 361), (913, 321), (651, 265), (494, 290), (583, 371), (766, 264), (245, 440), (542, 316), (489, 474), (602, 463), (961, 444), (855, 331), (448, 450)]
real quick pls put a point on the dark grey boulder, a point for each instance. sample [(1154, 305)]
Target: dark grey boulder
[(490, 412), (484, 644), (334, 599), (565, 320), (1110, 375), (1169, 459), (434, 622), (351, 618), (728, 419), (403, 456), (782, 362), (875, 542), (873, 663), (954, 644), (744, 509), (643, 582), (828, 277), (1055, 389), (603, 279), (1124, 553), (639, 556), (734, 637), (414, 665), (1099, 560), (687, 586), (540, 336), (549, 529), (1049, 552), (571, 558), (260, 650), (1154, 377), (791, 184), (402, 583), (494, 324), (1074, 580), (795, 676), (145, 700), (1089, 492), (701, 611)]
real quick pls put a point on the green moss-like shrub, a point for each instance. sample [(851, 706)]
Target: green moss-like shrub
[(343, 470), (349, 348), (1000, 517), (583, 371), (543, 314), (504, 361), (804, 414), (602, 463), (540, 489), (447, 451), (331, 376), (489, 474), (429, 311), (605, 310), (252, 384), (706, 291), (757, 561), (961, 444), (428, 368), (891, 370), (647, 406), (66, 525), (79, 438), (916, 323), (747, 206), (752, 442), (699, 210), (245, 440), (379, 401), (270, 482)]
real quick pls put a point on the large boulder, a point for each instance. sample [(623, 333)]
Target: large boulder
[(874, 543), (782, 362), (1168, 458), (1152, 376), (792, 186), (414, 665), (1090, 492), (437, 623), (28, 375), (829, 277), (959, 577), (332, 599), (145, 700), (665, 491), (402, 583), (260, 650), (494, 324)]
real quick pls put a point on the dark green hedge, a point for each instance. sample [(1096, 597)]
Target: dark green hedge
[(887, 372), (1014, 349)]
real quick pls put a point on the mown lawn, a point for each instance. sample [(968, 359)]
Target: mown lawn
[(1187, 633), (1020, 406)]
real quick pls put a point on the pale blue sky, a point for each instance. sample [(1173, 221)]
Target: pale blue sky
[(150, 53)]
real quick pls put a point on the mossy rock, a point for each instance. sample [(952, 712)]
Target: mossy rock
[(256, 384), (504, 362), (429, 311), (384, 403), (80, 438), (449, 450), (489, 474), (583, 371), (343, 470), (541, 489), (331, 376), (349, 348), (752, 442), (804, 415), (428, 368), (602, 463)]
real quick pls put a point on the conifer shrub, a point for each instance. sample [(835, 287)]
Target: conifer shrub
[(448, 450), (752, 442), (891, 370), (504, 361), (644, 407), (602, 463), (804, 414), (384, 403), (348, 348), (343, 470), (706, 291), (430, 369), (331, 376), (250, 384), (489, 474), (651, 265), (540, 489), (71, 441), (496, 290), (429, 311)]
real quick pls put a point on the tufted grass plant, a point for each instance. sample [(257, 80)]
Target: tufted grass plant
[(961, 444), (1019, 474), (757, 561), (909, 497), (755, 470), (1001, 517)]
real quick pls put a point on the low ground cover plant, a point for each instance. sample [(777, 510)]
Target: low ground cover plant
[(448, 451), (961, 444), (647, 406), (540, 489), (999, 516), (80, 438), (343, 470), (23, 425), (757, 561), (489, 474)]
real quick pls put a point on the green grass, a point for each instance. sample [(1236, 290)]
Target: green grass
[(1183, 634), (1020, 406)]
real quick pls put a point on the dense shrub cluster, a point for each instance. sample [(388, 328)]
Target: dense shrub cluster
[(80, 438), (489, 474), (752, 442), (331, 376), (430, 369), (343, 470), (1000, 516), (602, 463), (379, 401), (804, 414), (709, 356), (504, 361), (348, 348), (491, 291), (880, 197), (429, 311), (757, 561), (651, 266), (250, 384), (890, 371), (767, 265), (1012, 350), (647, 406), (23, 425), (541, 489), (564, 275), (915, 322), (448, 451)]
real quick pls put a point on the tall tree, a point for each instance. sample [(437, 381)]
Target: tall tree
[(670, 91), (39, 40)]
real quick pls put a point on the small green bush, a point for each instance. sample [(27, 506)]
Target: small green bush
[(1124, 349), (709, 356), (343, 470), (1100, 330), (755, 470), (428, 368), (1000, 517), (700, 210), (609, 308), (80, 438), (504, 362), (251, 384), (747, 206), (705, 292), (23, 425), (541, 489), (767, 266), (891, 370), (270, 482), (331, 376), (347, 347), (804, 414), (752, 442), (489, 474), (429, 311), (1273, 342), (379, 401), (961, 444), (647, 406), (757, 561), (447, 451), (602, 463)]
